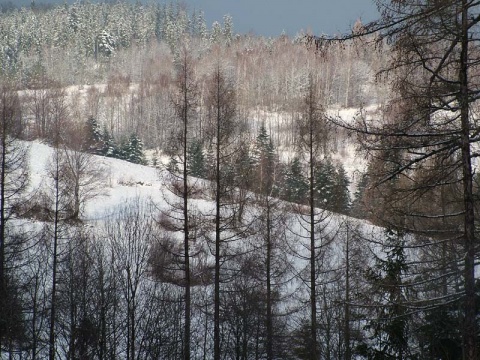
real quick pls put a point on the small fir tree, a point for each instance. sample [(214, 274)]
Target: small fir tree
[(95, 141), (133, 151), (196, 159), (358, 208), (295, 185), (325, 184), (341, 194), (264, 161), (109, 147)]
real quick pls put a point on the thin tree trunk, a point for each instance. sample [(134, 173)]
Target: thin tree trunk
[(269, 286), (3, 280), (34, 319), (103, 320), (71, 346), (348, 353), (313, 295), (185, 219), (216, 316), (469, 335), (51, 351)]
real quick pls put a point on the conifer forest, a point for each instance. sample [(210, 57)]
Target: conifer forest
[(172, 189)]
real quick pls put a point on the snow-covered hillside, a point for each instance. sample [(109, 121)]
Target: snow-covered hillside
[(125, 181), (149, 247)]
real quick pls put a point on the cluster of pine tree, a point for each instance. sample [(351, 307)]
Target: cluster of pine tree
[(290, 182), (99, 142)]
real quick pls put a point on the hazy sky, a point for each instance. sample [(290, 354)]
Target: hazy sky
[(271, 17)]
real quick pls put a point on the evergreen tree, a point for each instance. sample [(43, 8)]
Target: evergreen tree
[(341, 194), (325, 184), (216, 34), (109, 147), (245, 164), (390, 325), (202, 26), (172, 165), (358, 208), (196, 159), (228, 29), (244, 168), (133, 150), (105, 44), (264, 149), (439, 335), (295, 185), (264, 160), (94, 142), (120, 150)]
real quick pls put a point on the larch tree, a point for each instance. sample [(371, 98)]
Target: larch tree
[(14, 178), (179, 213), (430, 119), (57, 205), (270, 253), (221, 134), (312, 130)]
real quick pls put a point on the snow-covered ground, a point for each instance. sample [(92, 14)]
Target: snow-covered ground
[(126, 182)]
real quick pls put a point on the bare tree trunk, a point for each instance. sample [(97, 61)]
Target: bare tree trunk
[(311, 203), (51, 341), (3, 280), (269, 285), (469, 331), (348, 351), (186, 224), (216, 316), (313, 294)]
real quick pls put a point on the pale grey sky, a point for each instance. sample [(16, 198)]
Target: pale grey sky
[(271, 17)]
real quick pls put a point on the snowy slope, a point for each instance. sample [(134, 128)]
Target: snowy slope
[(127, 181)]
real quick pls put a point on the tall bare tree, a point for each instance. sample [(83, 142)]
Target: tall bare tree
[(185, 101), (14, 178), (221, 130), (313, 132), (56, 203)]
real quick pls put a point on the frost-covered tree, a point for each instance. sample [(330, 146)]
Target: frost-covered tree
[(325, 183), (228, 29), (104, 44), (216, 33), (134, 150)]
